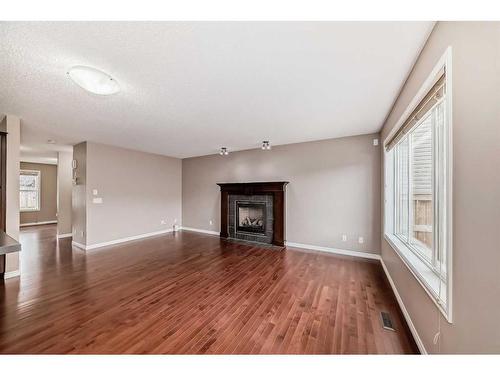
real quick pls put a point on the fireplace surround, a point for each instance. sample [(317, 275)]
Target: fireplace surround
[(253, 211)]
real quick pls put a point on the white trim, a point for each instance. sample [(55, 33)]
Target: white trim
[(449, 182), (120, 240), (38, 223), (402, 306), (38, 174), (352, 253), (444, 62), (78, 244), (391, 240), (11, 274), (64, 235), (212, 232), (38, 160)]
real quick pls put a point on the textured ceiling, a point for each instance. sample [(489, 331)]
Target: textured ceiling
[(189, 88)]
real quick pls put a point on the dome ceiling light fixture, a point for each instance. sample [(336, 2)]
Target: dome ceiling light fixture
[(266, 145), (93, 80), (223, 151)]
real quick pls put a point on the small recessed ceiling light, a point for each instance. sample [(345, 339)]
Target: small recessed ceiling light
[(51, 141), (266, 145), (223, 151), (93, 80)]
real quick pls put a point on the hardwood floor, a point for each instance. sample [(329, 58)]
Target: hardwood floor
[(193, 293)]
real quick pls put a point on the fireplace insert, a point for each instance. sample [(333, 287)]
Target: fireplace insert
[(251, 217)]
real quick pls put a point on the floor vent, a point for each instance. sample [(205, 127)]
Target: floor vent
[(387, 321)]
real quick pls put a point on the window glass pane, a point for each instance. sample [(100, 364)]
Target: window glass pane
[(417, 195), (28, 182), (29, 190), (421, 228), (401, 189), (29, 200)]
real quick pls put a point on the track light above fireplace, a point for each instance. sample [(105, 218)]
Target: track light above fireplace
[(266, 145), (223, 151)]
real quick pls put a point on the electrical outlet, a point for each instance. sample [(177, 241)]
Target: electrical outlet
[(361, 240), (375, 142), (344, 238), (163, 222), (211, 222)]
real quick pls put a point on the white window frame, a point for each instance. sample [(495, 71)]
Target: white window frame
[(39, 177), (418, 266)]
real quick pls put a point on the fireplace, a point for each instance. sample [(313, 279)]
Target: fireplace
[(253, 211), (251, 217)]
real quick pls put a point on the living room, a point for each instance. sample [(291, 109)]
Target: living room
[(249, 187)]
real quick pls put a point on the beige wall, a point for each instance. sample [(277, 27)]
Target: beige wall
[(138, 190), (334, 189), (476, 192), (79, 195), (48, 194), (12, 125), (64, 188)]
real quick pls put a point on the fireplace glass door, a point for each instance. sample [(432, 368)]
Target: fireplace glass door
[(251, 217)]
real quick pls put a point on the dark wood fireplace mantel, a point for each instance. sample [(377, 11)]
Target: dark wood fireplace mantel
[(274, 188)]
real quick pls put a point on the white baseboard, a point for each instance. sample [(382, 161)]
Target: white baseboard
[(64, 235), (38, 223), (201, 231), (119, 240), (352, 253), (11, 274), (291, 244), (413, 330), (78, 244)]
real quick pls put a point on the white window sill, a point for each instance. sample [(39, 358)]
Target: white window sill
[(421, 271)]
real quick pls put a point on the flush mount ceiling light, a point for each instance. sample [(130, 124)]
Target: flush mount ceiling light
[(266, 145), (223, 151), (93, 80)]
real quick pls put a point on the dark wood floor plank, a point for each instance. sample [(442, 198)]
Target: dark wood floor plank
[(193, 293)]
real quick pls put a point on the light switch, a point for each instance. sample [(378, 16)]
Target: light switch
[(97, 200), (94, 192)]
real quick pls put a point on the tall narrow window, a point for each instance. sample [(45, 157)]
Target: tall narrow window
[(421, 206), (29, 190), (417, 191)]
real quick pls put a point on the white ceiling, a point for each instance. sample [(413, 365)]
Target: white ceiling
[(189, 88)]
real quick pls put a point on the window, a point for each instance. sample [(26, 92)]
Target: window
[(29, 190), (418, 190)]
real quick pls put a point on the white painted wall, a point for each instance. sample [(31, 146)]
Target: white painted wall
[(64, 191), (12, 125), (137, 192)]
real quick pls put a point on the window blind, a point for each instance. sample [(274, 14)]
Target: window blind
[(429, 100)]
